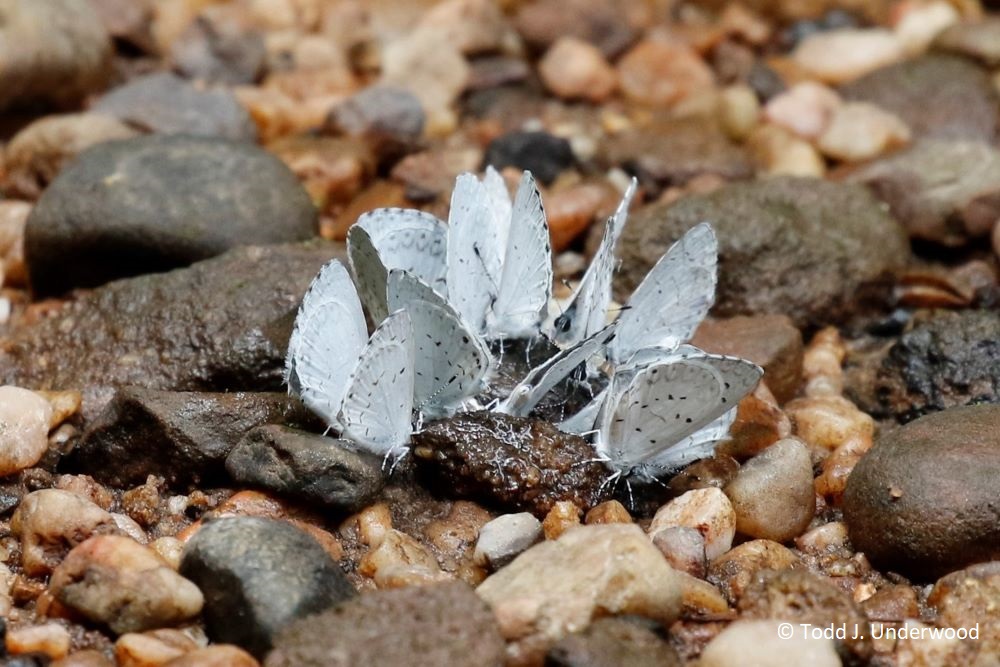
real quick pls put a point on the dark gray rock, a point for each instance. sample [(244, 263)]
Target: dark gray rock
[(391, 119), (924, 500), (421, 626), (950, 359), (515, 463), (611, 642), (181, 436), (220, 325), (939, 96), (306, 466), (543, 154), (799, 246), (219, 52), (149, 204), (164, 103), (258, 575), (942, 191)]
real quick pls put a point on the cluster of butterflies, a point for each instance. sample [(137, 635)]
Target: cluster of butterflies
[(443, 293)]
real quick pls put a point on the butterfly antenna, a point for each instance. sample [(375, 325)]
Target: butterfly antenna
[(631, 498), (396, 460)]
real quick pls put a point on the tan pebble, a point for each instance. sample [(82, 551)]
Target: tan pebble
[(220, 655), (735, 570), (25, 417), (838, 56), (85, 658), (400, 560), (575, 69), (150, 649), (760, 423), (170, 549), (64, 404), (662, 73), (333, 170), (454, 536), (837, 467), (821, 363), (563, 516), (87, 487), (571, 211), (861, 131), (373, 524), (50, 522), (51, 639), (700, 598), (13, 217), (779, 152), (922, 22), (825, 538), (830, 421), (610, 511), (805, 109), (117, 582), (739, 111), (683, 547), (706, 510)]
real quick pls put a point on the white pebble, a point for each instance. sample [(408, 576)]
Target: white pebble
[(706, 510), (24, 428), (506, 536)]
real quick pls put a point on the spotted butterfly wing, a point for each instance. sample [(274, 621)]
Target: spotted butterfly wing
[(672, 299), (450, 361), (329, 335), (377, 409)]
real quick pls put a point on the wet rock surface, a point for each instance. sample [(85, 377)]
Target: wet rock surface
[(797, 246), (312, 468), (923, 501), (105, 216), (181, 436), (259, 575), (443, 624), (208, 327), (512, 462)]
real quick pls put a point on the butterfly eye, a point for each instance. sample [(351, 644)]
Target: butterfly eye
[(562, 324)]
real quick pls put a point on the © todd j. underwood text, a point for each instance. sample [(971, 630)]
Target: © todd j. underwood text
[(873, 631)]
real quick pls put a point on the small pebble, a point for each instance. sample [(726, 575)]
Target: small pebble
[(155, 647), (829, 421), (706, 510), (839, 56), (563, 516), (85, 658), (683, 547), (759, 643), (575, 69), (779, 152), (400, 560), (51, 639), (25, 417), (805, 109), (218, 655), (610, 511), (734, 571), (922, 22), (828, 537), (739, 111), (115, 581), (860, 131), (662, 73), (505, 537)]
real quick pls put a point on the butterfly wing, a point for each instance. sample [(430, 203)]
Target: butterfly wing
[(526, 279), (328, 336), (672, 299), (477, 237), (542, 379), (450, 361), (698, 445), (586, 418), (377, 408)]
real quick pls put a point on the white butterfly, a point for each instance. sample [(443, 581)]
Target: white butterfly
[(362, 387), (673, 298), (395, 238), (588, 310), (451, 362), (499, 260), (669, 412)]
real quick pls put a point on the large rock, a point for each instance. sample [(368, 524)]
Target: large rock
[(940, 96), (259, 575), (611, 642), (421, 626), (950, 359), (155, 203), (306, 466), (164, 103), (923, 501), (219, 325), (798, 246), (942, 191), (180, 436), (559, 586), (55, 51)]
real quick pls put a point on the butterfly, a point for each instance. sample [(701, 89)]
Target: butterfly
[(499, 259)]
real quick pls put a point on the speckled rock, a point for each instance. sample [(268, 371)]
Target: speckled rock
[(259, 575), (949, 359), (115, 581), (923, 501), (798, 596), (941, 96), (104, 217), (611, 642), (559, 586), (427, 626), (181, 436), (773, 494), (222, 324), (164, 103), (24, 429), (942, 191), (313, 468), (70, 61), (798, 246), (966, 598), (513, 462)]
